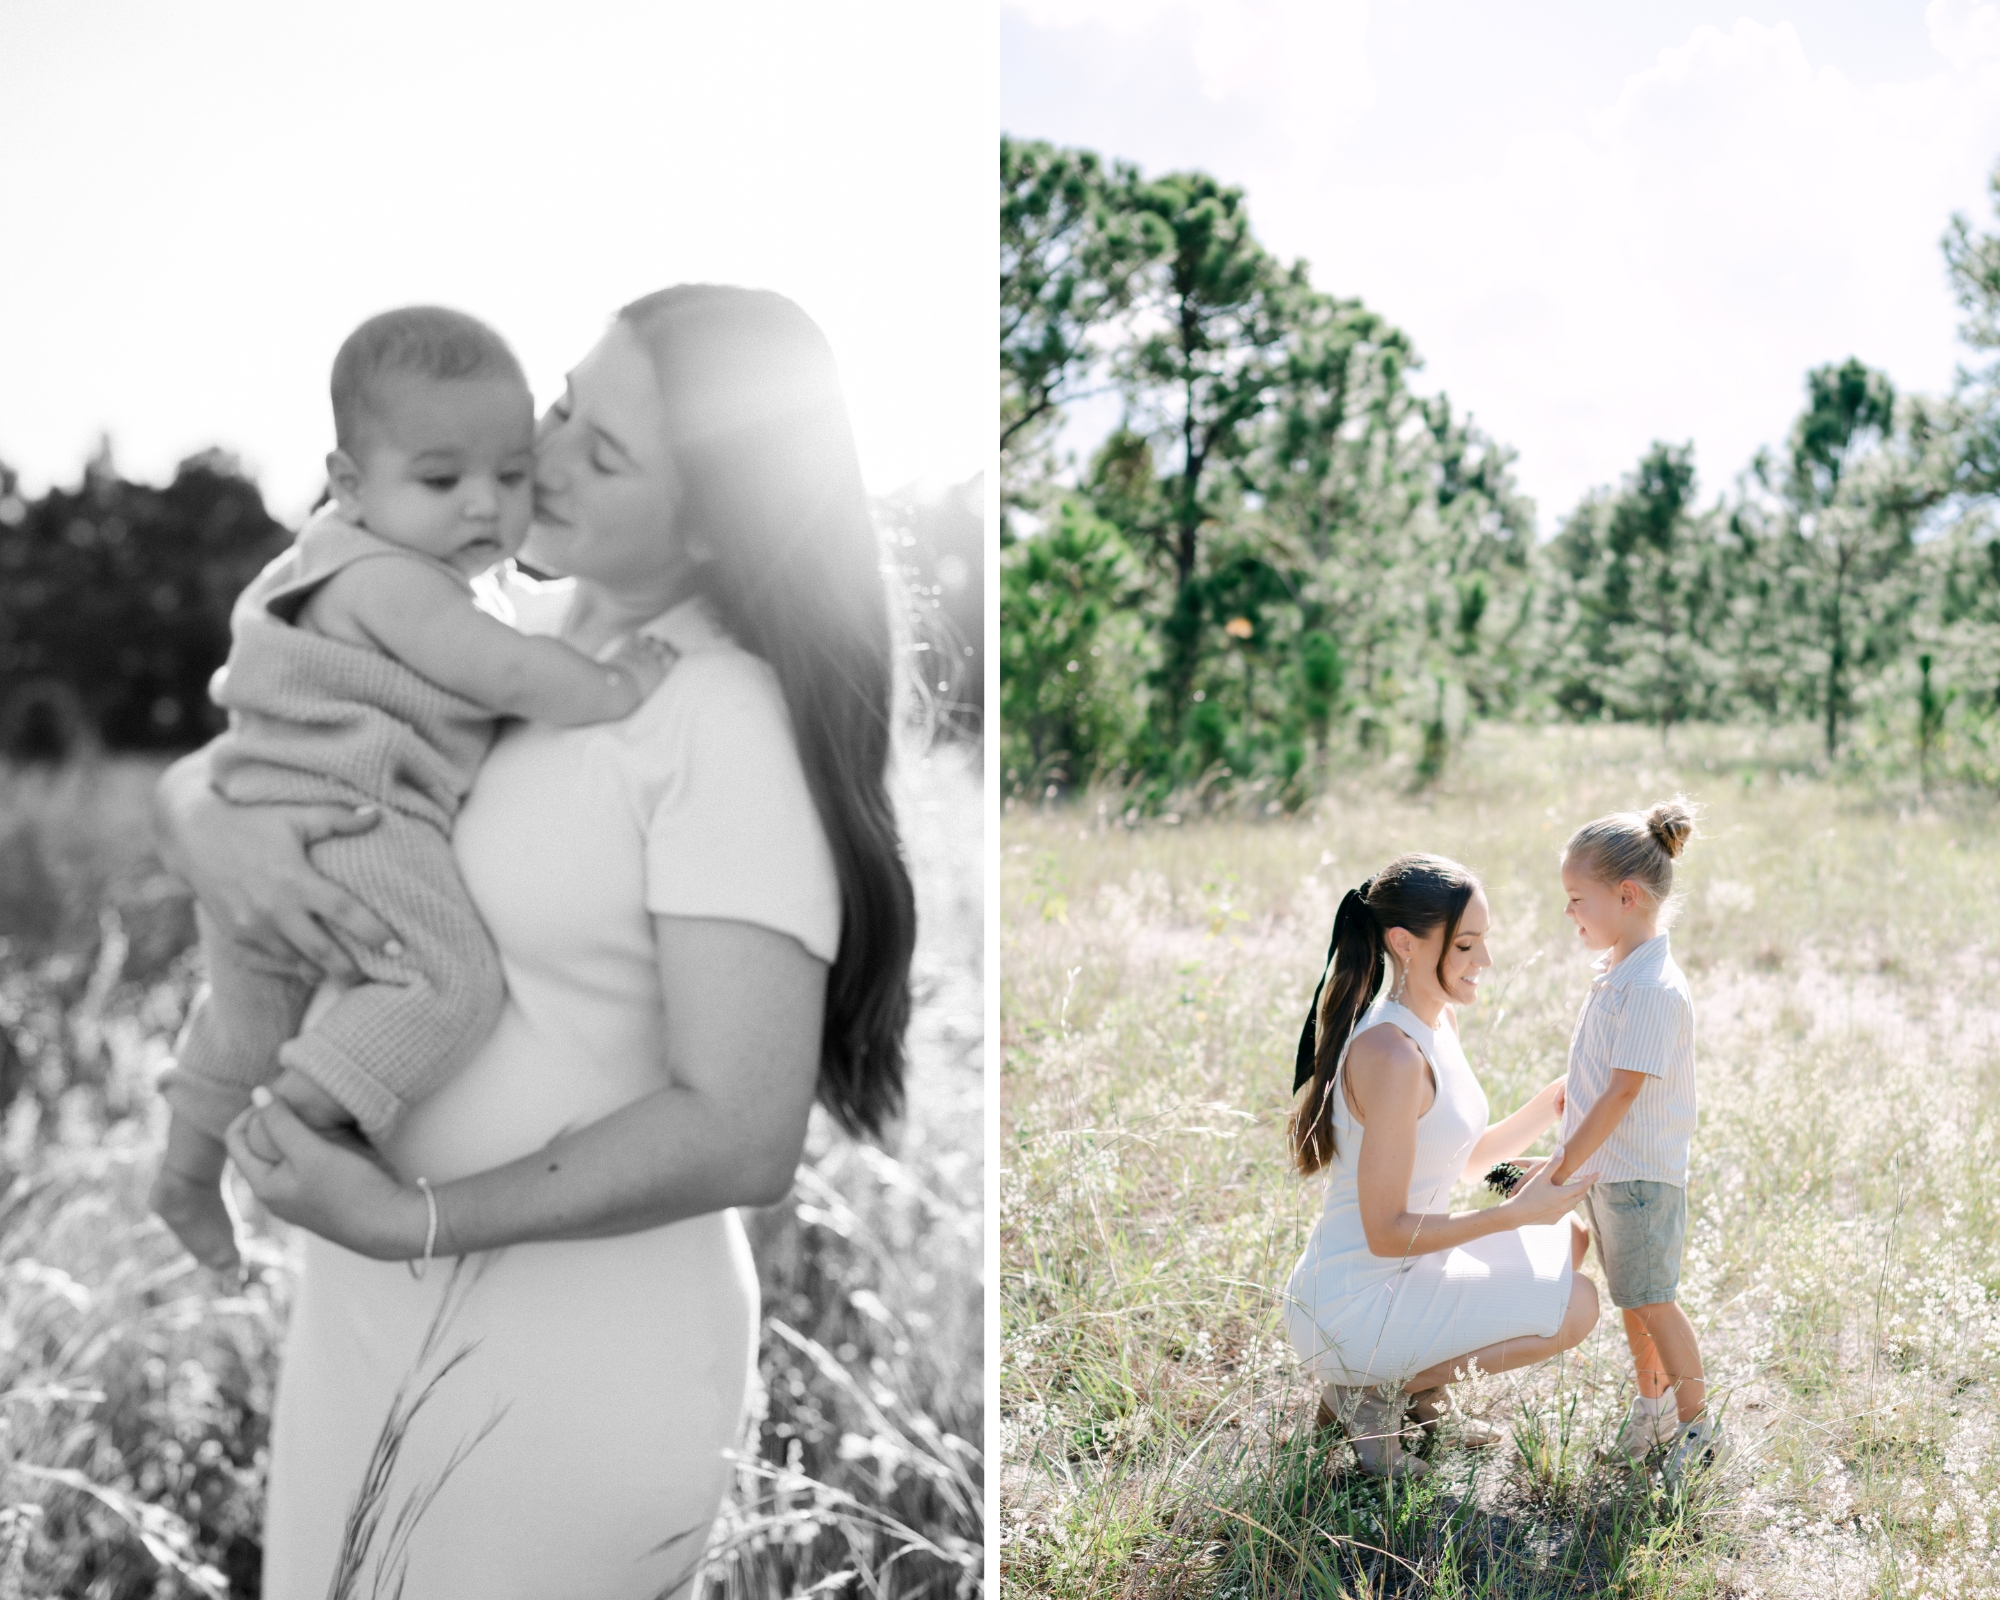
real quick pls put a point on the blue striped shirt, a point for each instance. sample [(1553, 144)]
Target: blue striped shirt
[(1638, 1017)]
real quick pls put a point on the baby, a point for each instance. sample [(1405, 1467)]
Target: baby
[(362, 670)]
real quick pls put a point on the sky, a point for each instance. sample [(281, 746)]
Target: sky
[(1601, 225), (203, 197)]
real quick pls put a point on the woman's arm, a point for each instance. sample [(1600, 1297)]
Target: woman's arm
[(744, 1006), (247, 865), (1508, 1137), (1387, 1073)]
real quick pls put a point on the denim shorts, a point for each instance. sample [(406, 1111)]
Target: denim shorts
[(1639, 1227)]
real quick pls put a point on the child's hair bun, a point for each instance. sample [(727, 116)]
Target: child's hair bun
[(1671, 823)]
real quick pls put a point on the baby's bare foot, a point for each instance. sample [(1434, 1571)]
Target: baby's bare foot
[(194, 1209)]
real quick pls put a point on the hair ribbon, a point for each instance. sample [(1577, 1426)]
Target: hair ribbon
[(1302, 1068)]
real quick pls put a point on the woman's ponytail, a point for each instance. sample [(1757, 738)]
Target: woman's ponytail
[(1354, 963), (1417, 892)]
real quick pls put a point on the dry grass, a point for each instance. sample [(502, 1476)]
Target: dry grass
[(134, 1402), (1843, 1260)]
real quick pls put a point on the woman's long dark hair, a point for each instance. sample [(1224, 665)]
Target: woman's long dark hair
[(1419, 893), (760, 436)]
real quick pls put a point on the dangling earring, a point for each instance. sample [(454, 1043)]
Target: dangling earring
[(1402, 983)]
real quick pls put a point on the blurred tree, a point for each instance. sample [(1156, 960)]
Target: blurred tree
[(114, 603)]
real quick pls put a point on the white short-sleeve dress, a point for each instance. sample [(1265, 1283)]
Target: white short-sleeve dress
[(616, 1368)]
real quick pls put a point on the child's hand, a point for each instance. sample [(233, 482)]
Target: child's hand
[(1542, 1199), (644, 660), (1561, 1087)]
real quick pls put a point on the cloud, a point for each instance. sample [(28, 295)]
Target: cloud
[(1965, 34), (1670, 269), (1305, 66), (1591, 260)]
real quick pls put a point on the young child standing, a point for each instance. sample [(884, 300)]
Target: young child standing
[(364, 670), (1629, 1112)]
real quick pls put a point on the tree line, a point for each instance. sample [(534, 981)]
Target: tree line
[(114, 604), (115, 600), (1283, 555)]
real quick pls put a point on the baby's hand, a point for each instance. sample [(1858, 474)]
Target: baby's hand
[(644, 660)]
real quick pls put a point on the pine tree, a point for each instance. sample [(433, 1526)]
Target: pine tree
[(1635, 597), (1208, 334), (1848, 536), (1067, 255), (1072, 651)]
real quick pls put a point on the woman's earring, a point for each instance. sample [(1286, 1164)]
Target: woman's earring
[(1402, 983)]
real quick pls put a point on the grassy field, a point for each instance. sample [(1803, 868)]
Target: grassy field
[(134, 1401), (1843, 1257)]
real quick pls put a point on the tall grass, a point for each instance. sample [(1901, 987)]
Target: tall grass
[(135, 1391), (1843, 1258)]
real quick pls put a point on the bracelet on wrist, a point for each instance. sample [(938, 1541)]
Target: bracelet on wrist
[(417, 1270)]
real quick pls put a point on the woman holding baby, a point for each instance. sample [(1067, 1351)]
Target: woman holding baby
[(703, 923)]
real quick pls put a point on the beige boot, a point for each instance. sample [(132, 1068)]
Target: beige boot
[(1428, 1408), (1373, 1421)]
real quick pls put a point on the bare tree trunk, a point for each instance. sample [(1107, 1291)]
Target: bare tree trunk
[(1836, 657)]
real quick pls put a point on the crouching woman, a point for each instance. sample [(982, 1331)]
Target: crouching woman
[(1394, 1298)]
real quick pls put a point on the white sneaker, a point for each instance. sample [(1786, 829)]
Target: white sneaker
[(1701, 1446), (1643, 1431)]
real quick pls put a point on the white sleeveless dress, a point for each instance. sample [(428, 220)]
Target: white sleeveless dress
[(613, 1371), (1358, 1318)]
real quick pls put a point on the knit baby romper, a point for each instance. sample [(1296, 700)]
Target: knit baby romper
[(316, 721)]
